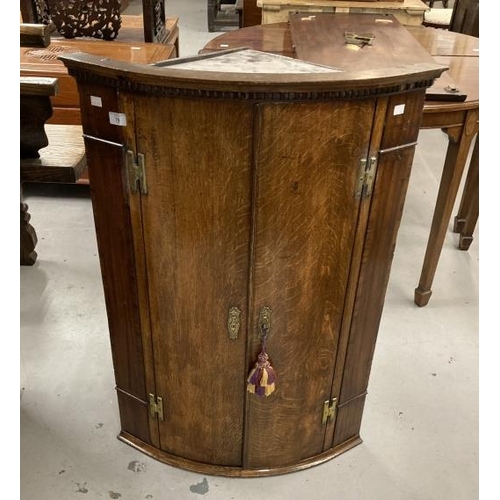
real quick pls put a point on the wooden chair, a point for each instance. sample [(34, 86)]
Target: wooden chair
[(465, 17), (462, 18)]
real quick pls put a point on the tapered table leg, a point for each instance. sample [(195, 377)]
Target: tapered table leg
[(468, 213), (456, 157)]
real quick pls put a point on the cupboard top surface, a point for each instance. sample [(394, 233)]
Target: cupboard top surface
[(380, 71)]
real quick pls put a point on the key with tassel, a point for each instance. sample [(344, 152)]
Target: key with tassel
[(262, 377)]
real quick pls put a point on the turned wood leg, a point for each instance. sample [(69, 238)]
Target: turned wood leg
[(28, 238), (456, 157), (468, 213)]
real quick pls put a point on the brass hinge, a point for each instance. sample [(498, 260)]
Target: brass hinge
[(329, 410), (136, 173), (366, 177), (155, 407)]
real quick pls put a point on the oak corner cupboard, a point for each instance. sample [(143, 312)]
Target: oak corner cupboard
[(240, 198)]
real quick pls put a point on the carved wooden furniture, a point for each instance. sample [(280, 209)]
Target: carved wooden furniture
[(34, 35), (104, 19), (408, 12), (245, 199), (49, 153), (459, 119)]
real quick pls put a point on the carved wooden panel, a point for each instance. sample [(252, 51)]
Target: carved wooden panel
[(77, 18)]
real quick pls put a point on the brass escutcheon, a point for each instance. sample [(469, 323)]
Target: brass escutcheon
[(233, 322)]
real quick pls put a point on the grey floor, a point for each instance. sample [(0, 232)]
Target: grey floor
[(420, 426)]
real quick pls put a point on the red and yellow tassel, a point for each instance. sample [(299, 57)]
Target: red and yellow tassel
[(262, 377)]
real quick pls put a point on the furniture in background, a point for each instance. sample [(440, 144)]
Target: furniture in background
[(34, 35), (468, 213), (271, 218), (432, 2), (408, 12), (49, 153), (105, 20), (44, 62), (252, 15), (224, 14), (462, 18), (458, 119), (465, 17)]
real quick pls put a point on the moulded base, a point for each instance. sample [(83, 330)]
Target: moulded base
[(219, 470)]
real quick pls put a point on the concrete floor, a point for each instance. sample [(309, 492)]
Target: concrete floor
[(420, 426)]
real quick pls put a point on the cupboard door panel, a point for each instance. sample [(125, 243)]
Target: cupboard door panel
[(305, 223), (196, 223)]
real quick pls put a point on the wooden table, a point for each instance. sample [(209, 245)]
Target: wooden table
[(460, 120), (45, 63), (408, 12)]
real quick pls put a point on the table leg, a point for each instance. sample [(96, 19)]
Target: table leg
[(28, 238), (456, 158), (468, 213)]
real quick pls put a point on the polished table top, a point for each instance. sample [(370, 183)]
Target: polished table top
[(457, 51), (46, 59), (44, 62)]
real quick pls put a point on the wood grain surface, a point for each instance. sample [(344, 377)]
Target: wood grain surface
[(196, 219)]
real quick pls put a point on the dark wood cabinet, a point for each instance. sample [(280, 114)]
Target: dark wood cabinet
[(222, 196)]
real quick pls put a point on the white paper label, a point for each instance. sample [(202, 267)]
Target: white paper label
[(399, 109), (96, 101), (117, 119)]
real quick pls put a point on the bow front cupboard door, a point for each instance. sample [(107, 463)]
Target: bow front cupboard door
[(253, 208)]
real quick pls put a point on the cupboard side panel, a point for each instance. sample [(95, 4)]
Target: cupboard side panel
[(116, 253), (306, 215), (348, 420), (389, 192), (196, 222)]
